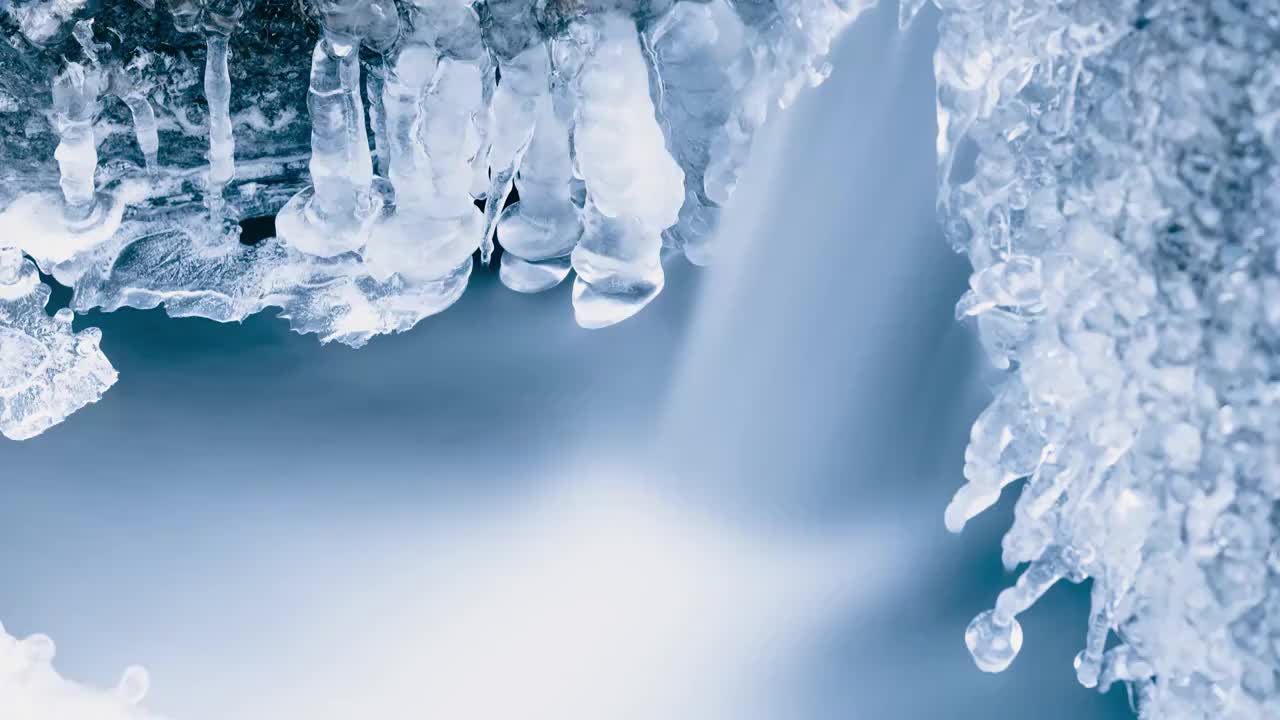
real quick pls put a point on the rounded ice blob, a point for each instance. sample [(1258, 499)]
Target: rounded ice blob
[(993, 642)]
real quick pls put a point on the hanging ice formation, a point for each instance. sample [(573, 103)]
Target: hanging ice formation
[(221, 18), (632, 185), (622, 127), (434, 103), (540, 230), (1120, 217)]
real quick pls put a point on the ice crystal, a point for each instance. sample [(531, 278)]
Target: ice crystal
[(370, 130), (1120, 220)]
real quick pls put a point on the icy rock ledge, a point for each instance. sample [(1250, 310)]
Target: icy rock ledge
[(30, 689), (1121, 218), (388, 139)]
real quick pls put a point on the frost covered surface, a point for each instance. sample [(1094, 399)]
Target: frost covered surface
[(1120, 220), (30, 688), (47, 371), (386, 138)]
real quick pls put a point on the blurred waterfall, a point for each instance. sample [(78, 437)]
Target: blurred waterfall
[(823, 362)]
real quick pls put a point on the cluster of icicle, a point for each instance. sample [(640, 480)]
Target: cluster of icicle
[(1121, 218), (623, 129), (30, 689)]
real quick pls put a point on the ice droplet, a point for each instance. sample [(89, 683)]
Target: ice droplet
[(992, 642)]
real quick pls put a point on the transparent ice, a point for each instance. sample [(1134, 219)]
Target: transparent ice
[(632, 185), (1119, 217), (540, 230)]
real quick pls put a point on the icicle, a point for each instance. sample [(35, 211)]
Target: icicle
[(697, 52), (1033, 583), (525, 80), (382, 33), (436, 227), (222, 144), (360, 160), (1089, 662), (1002, 448), (128, 82), (540, 231), (85, 217), (75, 105), (144, 127), (220, 18), (339, 185), (403, 91), (335, 215), (431, 104), (634, 188)]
